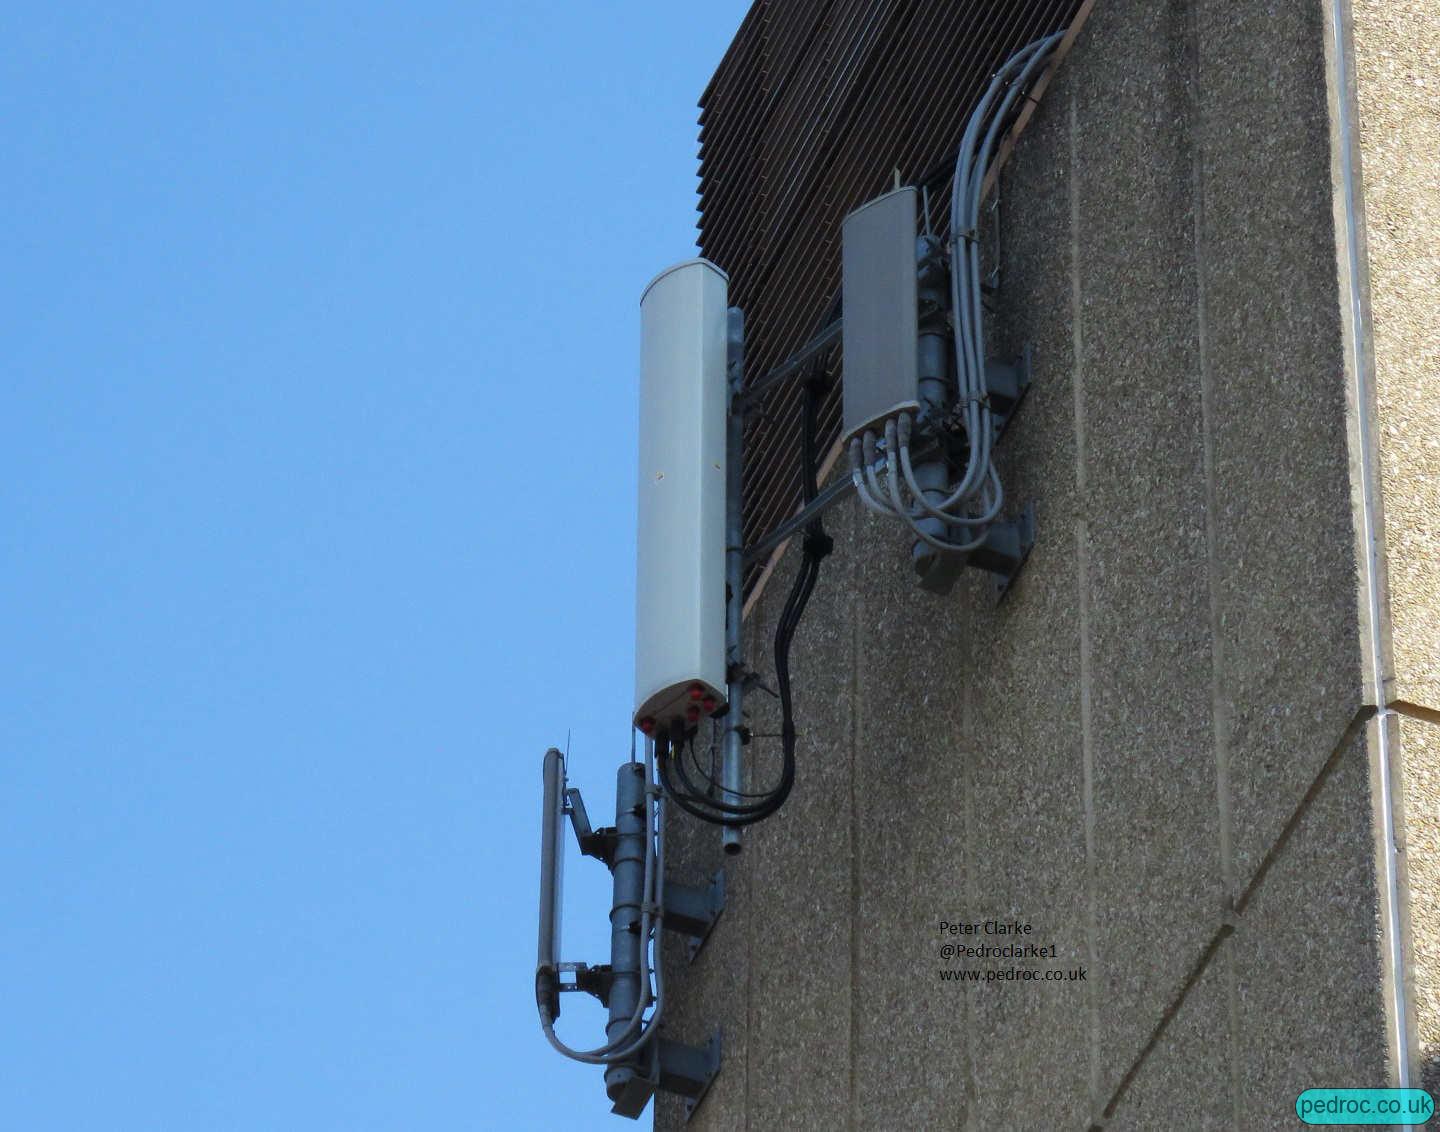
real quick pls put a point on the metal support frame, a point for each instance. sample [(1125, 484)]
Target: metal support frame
[(1007, 383), (791, 366), (1007, 544), (935, 385), (627, 947), (670, 1067), (1008, 541), (691, 910), (827, 498), (597, 843), (733, 750)]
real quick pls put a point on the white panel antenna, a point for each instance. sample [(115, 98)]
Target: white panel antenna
[(680, 574)]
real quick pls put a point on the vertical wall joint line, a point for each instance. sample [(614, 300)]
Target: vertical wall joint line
[(1220, 719), (1082, 549)]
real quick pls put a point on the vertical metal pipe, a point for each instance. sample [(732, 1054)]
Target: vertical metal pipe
[(932, 364), (1373, 566), (626, 945), (733, 747)]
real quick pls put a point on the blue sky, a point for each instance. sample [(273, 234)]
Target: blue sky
[(316, 470)]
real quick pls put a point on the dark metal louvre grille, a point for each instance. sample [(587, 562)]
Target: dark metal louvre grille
[(814, 106)]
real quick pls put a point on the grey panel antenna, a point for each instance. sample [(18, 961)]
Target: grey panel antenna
[(881, 304), (552, 863)]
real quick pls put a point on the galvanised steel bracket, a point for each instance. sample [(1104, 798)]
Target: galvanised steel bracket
[(692, 910), (671, 1067), (1007, 383), (598, 843), (1007, 544), (661, 1064)]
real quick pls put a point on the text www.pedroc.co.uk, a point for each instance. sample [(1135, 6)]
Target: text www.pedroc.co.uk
[(1010, 975)]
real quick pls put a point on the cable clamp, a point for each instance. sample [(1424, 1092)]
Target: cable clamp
[(965, 234), (818, 545)]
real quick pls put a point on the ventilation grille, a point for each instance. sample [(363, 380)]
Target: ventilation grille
[(812, 109)]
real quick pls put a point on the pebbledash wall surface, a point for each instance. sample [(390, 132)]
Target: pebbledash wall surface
[(1168, 748)]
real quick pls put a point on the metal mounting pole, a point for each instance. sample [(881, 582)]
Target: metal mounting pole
[(792, 366), (934, 388), (733, 748), (655, 1063), (627, 948), (829, 495)]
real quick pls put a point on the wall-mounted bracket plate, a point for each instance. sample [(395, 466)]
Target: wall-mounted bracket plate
[(711, 1053), (1007, 382), (595, 981), (1015, 545), (670, 1067), (692, 910), (1007, 544)]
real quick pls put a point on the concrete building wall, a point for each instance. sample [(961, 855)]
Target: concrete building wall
[(1162, 748)]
